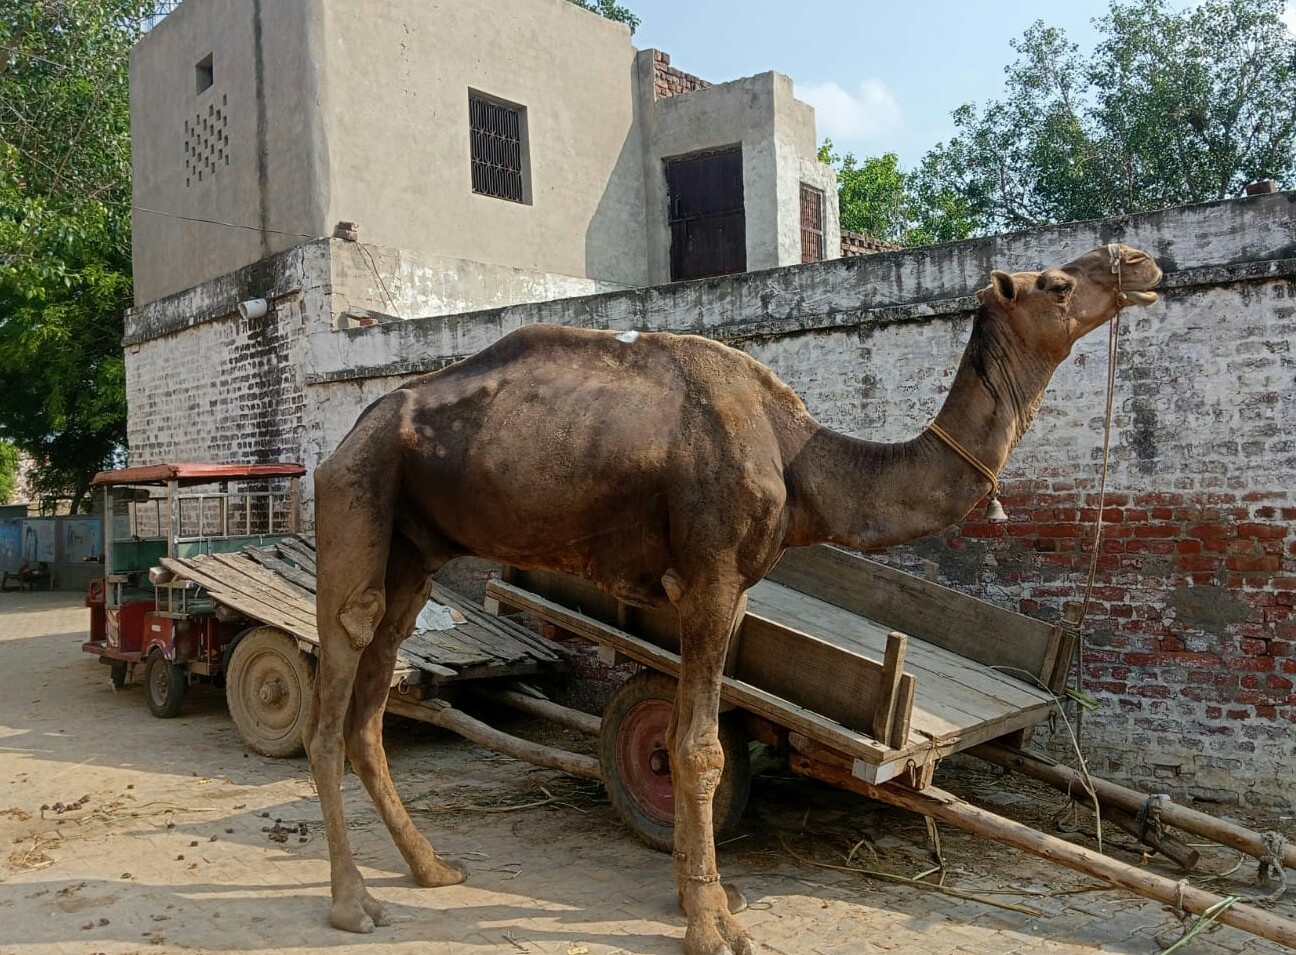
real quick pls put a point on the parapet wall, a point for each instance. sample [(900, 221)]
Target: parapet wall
[(1190, 635)]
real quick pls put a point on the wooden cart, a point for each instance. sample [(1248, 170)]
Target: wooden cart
[(866, 677), (270, 666)]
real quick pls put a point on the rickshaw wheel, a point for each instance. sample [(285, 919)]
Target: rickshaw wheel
[(268, 688), (636, 762), (165, 684)]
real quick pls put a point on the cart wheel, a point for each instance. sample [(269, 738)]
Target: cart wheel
[(117, 673), (636, 764), (165, 684), (267, 689)]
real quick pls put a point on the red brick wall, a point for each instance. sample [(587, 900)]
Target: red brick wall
[(668, 81)]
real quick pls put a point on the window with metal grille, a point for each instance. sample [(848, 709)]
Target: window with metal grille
[(812, 239), (498, 135)]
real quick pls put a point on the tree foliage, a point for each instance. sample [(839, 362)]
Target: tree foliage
[(64, 233), (880, 200), (1172, 107), (8, 471), (612, 10)]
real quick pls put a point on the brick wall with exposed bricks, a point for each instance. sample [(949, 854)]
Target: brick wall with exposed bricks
[(669, 81)]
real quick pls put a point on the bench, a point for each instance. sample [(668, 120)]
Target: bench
[(27, 578)]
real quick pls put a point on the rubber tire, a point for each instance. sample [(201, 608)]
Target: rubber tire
[(648, 689), (266, 661), (165, 685), (117, 673)]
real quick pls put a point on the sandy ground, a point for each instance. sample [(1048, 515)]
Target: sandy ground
[(123, 833)]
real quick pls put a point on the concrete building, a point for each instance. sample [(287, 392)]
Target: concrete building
[(495, 151)]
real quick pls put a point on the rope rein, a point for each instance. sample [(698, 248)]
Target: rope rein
[(967, 456), (1113, 338)]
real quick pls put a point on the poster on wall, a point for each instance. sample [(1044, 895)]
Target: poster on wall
[(38, 542), (10, 545), (82, 539)]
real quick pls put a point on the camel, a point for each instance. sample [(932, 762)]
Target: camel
[(668, 469)]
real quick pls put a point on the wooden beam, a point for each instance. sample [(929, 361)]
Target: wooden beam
[(440, 713), (884, 715), (1070, 781), (547, 709), (947, 807)]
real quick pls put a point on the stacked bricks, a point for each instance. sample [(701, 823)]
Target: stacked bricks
[(855, 244), (668, 81)]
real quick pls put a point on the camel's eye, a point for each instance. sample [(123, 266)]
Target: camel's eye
[(1058, 285)]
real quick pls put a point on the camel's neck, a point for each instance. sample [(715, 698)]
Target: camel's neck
[(867, 495)]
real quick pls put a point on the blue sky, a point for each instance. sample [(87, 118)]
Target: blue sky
[(883, 77)]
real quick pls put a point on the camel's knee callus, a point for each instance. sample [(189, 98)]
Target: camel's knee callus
[(359, 616)]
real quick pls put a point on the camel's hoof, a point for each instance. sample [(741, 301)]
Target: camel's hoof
[(719, 936), (351, 918), (358, 912), (439, 872), (375, 909)]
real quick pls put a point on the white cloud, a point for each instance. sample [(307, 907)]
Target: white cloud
[(870, 112), (1289, 17)]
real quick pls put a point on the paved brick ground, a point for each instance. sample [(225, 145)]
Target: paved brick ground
[(171, 851)]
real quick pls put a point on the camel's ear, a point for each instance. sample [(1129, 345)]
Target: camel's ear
[(1003, 285)]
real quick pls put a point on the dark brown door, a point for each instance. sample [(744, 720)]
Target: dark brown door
[(707, 222)]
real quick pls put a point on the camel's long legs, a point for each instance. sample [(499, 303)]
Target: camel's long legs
[(407, 590), (353, 909), (697, 762), (353, 538)]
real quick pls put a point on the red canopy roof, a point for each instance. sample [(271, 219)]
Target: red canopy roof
[(191, 473)]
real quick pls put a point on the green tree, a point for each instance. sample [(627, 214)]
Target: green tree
[(872, 195), (64, 233), (612, 10), (880, 200), (8, 471), (1172, 107)]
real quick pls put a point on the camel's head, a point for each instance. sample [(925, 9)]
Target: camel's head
[(1050, 311)]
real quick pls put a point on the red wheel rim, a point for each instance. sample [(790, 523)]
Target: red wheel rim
[(643, 760)]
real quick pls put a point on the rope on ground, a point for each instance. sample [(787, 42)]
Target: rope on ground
[(1271, 872)]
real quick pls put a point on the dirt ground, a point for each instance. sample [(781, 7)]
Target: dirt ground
[(122, 833)]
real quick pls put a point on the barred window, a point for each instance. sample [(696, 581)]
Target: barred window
[(812, 238), (498, 134)]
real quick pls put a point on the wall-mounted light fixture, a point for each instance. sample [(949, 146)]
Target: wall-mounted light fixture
[(253, 308)]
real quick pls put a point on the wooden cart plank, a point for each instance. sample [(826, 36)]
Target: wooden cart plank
[(801, 668), (231, 573), (533, 644), (281, 567), (941, 707), (301, 552), (988, 688), (962, 624), (228, 589), (941, 710), (444, 647)]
